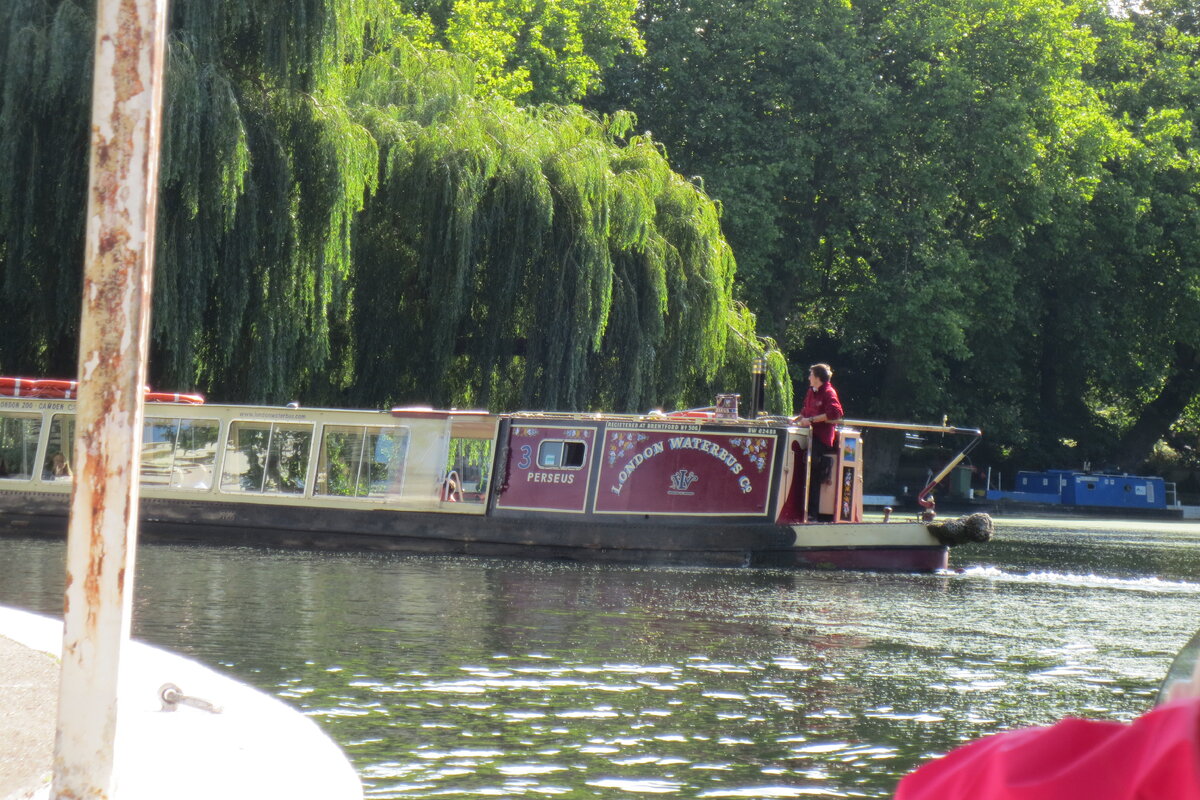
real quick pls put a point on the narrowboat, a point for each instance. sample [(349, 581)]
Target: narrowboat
[(703, 486), (1084, 491)]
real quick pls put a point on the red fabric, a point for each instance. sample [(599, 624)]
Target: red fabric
[(823, 400), (1154, 757)]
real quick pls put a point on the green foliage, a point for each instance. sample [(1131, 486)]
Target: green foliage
[(348, 216), (263, 170), (977, 207), (536, 52), (545, 262), (44, 67)]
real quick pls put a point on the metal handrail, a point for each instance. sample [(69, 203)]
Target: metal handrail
[(909, 426), (924, 497)]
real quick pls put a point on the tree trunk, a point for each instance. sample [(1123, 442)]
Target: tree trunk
[(881, 453), (1156, 419), (882, 447)]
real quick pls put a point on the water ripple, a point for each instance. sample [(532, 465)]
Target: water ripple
[(1151, 583), (461, 678), (776, 791), (638, 786)]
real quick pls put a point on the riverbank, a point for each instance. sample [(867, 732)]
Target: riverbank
[(1012, 508)]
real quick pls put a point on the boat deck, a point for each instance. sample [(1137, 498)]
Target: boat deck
[(264, 748), (28, 699)]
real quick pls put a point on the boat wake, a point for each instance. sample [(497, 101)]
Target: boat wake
[(1147, 584)]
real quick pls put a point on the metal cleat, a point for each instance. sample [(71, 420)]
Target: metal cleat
[(173, 697)]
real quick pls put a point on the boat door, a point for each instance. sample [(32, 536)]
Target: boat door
[(547, 464), (841, 494), (449, 458), (793, 482), (470, 452)]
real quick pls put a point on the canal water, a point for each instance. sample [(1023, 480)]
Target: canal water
[(455, 677)]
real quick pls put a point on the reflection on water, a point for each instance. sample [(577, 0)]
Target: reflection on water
[(459, 677)]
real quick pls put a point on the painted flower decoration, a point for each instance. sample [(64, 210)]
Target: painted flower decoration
[(621, 442), (754, 449)]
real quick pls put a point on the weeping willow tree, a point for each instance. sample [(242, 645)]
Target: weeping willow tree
[(346, 218), (531, 257), (45, 75), (264, 170), (262, 173)]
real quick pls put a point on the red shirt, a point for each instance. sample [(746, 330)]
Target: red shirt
[(823, 400), (1156, 756)]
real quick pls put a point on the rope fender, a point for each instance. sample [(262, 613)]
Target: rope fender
[(976, 527)]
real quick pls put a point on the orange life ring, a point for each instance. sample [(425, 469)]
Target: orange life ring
[(18, 387), (54, 389), (170, 397)]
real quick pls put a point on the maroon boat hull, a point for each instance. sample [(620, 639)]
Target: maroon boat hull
[(715, 543)]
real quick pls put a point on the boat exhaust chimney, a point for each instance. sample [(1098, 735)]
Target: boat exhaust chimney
[(758, 393)]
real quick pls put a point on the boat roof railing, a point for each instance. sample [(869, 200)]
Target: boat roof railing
[(910, 426), (707, 415), (925, 496), (429, 412)]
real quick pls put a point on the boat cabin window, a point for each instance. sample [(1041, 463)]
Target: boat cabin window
[(59, 448), (18, 445), (266, 457), (179, 453), (558, 454), (470, 464), (361, 461)]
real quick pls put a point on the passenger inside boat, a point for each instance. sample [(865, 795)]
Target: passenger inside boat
[(452, 488), (57, 467)]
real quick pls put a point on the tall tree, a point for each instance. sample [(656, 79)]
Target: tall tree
[(551, 51), (1145, 229), (879, 164), (345, 215), (544, 262), (44, 71)]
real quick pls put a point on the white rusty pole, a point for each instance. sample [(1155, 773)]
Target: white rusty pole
[(114, 327)]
